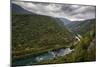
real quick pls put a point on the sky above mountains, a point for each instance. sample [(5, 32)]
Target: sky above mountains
[(71, 12)]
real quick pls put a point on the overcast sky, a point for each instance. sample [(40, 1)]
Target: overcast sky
[(71, 12)]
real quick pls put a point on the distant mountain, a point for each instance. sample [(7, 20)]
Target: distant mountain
[(79, 27), (16, 9), (66, 21), (62, 21)]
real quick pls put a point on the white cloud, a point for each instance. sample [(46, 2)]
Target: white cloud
[(72, 12)]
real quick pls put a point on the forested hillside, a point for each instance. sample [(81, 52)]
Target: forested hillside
[(84, 50), (34, 34), (81, 27)]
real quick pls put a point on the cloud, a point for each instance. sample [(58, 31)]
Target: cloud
[(72, 12)]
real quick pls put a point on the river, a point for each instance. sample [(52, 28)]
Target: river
[(42, 57)]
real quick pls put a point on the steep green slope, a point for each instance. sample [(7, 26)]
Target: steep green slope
[(34, 34), (84, 50)]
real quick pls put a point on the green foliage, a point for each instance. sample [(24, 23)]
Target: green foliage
[(85, 50), (33, 34)]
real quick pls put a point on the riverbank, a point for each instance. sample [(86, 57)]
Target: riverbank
[(32, 59)]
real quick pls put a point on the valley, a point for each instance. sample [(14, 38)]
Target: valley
[(37, 41), (41, 39), (36, 34)]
